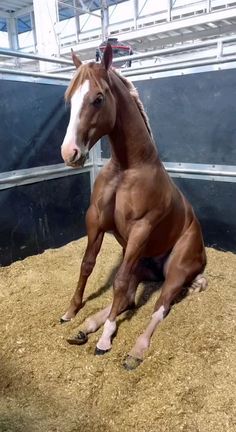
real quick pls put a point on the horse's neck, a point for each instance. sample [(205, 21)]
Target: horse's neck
[(131, 143)]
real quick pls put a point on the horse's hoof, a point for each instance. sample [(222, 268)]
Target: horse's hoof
[(131, 363), (80, 339), (64, 321), (100, 352)]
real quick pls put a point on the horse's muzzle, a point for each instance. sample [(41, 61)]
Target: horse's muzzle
[(77, 160)]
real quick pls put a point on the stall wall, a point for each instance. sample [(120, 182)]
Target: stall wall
[(34, 118), (47, 213), (193, 117)]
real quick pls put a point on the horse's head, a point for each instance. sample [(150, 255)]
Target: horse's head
[(93, 108)]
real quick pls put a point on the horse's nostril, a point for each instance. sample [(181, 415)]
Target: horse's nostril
[(73, 158)]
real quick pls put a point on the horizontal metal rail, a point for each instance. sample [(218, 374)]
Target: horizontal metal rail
[(177, 50), (185, 65), (206, 172), (20, 54), (177, 63), (33, 175), (34, 74), (192, 169), (130, 72), (202, 169)]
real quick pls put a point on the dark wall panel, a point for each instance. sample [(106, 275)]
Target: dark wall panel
[(42, 215), (193, 117), (34, 118), (215, 205), (105, 148)]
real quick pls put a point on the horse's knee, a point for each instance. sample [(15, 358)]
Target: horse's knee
[(123, 297), (120, 284), (87, 267)]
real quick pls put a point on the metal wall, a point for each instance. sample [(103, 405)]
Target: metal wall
[(42, 215), (49, 211), (193, 117), (33, 121)]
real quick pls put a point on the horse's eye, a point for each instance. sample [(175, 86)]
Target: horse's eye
[(98, 101)]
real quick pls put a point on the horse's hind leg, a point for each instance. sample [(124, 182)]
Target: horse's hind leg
[(183, 267), (198, 284), (95, 238)]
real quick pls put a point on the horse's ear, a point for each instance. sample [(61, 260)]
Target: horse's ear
[(107, 57), (77, 62)]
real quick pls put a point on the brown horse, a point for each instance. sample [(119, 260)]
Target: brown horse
[(133, 197)]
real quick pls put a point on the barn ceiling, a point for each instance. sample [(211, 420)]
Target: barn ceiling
[(8, 6), (65, 10)]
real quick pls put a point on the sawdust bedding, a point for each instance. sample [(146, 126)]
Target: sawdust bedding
[(186, 383)]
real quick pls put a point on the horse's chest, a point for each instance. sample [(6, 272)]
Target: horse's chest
[(115, 210), (127, 210), (120, 204)]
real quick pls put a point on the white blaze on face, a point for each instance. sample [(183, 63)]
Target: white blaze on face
[(77, 100)]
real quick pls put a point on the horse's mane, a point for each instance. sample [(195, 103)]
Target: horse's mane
[(134, 93), (88, 71)]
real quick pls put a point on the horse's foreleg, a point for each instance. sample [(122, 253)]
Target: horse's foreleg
[(123, 295), (94, 322), (95, 238)]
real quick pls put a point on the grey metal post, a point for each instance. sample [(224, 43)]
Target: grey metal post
[(33, 29), (77, 19), (45, 15), (169, 10), (13, 35), (208, 6), (12, 32), (105, 19), (96, 160), (219, 49), (135, 8)]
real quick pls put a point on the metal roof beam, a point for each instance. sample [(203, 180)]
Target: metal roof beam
[(184, 37), (24, 11), (178, 25), (84, 10), (4, 14), (13, 4)]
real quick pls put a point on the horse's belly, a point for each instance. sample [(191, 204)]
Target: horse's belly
[(158, 244)]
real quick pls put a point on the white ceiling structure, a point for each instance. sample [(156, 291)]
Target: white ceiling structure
[(186, 21), (12, 6)]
